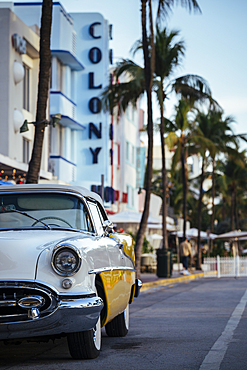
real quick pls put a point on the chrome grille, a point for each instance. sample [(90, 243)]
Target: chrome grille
[(11, 293)]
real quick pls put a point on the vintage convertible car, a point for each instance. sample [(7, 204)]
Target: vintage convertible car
[(63, 269)]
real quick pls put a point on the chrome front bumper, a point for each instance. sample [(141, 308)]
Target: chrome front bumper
[(66, 314)]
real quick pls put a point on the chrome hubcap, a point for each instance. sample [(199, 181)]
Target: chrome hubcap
[(126, 317), (97, 335)]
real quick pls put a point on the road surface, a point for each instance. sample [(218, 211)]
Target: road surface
[(201, 324)]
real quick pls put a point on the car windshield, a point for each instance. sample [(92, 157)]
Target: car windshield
[(53, 209)]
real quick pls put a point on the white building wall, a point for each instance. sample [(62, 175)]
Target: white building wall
[(11, 92), (157, 158), (64, 66), (71, 157), (62, 25), (126, 138), (131, 132)]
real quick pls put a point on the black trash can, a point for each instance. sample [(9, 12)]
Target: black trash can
[(163, 263), (171, 261)]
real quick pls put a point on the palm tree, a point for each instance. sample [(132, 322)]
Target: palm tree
[(148, 57), (43, 90), (167, 56), (212, 135), (235, 171), (179, 137), (222, 136), (203, 141), (164, 7)]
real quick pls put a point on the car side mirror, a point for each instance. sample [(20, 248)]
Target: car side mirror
[(107, 227)]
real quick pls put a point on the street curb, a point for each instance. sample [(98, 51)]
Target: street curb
[(169, 281)]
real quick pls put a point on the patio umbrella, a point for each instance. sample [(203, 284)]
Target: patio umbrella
[(169, 227), (193, 233), (129, 217), (155, 240), (155, 237), (232, 235)]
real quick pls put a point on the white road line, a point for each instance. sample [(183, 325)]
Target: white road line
[(215, 356)]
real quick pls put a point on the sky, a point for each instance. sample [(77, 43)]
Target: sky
[(216, 45)]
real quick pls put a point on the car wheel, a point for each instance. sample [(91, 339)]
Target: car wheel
[(85, 344), (119, 326)]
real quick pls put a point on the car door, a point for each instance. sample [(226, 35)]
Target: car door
[(114, 280)]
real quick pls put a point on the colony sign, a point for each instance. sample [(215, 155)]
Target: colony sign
[(95, 57), (92, 45)]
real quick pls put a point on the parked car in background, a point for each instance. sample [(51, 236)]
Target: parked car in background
[(63, 269)]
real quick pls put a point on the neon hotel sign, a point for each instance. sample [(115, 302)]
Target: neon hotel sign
[(95, 56)]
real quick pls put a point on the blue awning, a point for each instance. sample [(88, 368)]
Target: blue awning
[(69, 122), (68, 59)]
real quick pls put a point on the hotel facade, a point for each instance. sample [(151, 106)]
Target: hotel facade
[(88, 147)]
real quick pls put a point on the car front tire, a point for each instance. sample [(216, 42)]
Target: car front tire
[(119, 326), (85, 344)]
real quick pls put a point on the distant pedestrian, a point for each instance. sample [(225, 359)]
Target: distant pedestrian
[(185, 252)]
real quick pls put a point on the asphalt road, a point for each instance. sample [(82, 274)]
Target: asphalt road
[(201, 324)]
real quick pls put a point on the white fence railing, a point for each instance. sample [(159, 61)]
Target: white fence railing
[(225, 266)]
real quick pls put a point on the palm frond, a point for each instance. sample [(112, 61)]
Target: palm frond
[(165, 7), (122, 93), (194, 88)]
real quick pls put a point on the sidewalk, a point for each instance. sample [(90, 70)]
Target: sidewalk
[(151, 280)]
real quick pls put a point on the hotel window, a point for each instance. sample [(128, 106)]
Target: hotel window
[(133, 155), (131, 196), (60, 76), (74, 42), (61, 140), (26, 88), (127, 151), (25, 150), (118, 155)]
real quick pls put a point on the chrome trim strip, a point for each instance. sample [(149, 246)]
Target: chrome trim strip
[(129, 259), (25, 283), (8, 303), (138, 284), (118, 245), (71, 315), (106, 269)]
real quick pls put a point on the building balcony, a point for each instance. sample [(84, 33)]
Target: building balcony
[(59, 103), (67, 59), (63, 169)]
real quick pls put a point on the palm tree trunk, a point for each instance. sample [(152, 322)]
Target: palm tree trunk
[(152, 57), (223, 212), (198, 262), (213, 208), (236, 212), (232, 209), (43, 90), (147, 72), (164, 176), (184, 179)]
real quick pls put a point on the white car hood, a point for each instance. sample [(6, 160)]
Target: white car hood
[(19, 250)]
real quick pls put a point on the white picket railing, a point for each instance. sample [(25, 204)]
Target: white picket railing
[(225, 266)]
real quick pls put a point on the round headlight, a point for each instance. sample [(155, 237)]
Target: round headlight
[(66, 260)]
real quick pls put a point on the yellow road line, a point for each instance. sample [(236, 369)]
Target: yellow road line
[(163, 282)]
